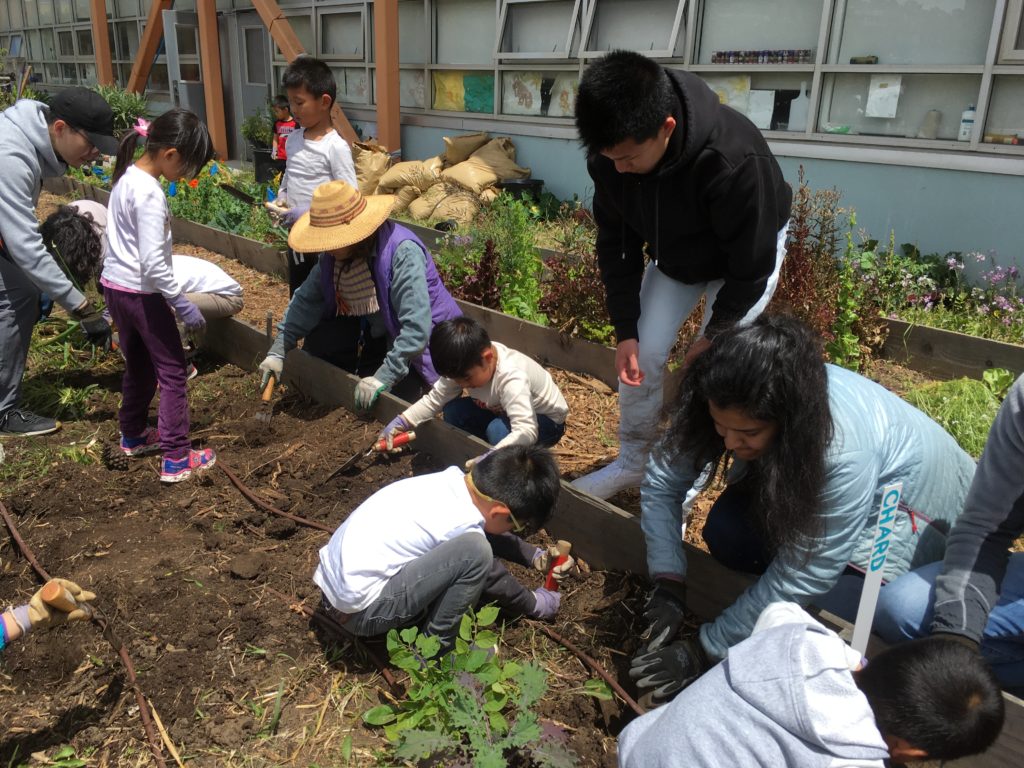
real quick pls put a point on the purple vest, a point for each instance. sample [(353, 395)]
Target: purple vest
[(442, 305)]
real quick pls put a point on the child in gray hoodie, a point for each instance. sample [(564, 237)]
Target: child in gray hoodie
[(795, 694), (38, 141)]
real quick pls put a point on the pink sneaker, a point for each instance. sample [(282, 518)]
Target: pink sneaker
[(146, 443), (176, 470)]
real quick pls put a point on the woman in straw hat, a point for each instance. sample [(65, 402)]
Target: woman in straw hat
[(370, 303)]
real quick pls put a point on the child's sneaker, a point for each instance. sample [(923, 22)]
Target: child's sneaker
[(190, 372), (176, 470), (147, 442)]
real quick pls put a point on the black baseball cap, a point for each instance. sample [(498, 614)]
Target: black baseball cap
[(88, 112)]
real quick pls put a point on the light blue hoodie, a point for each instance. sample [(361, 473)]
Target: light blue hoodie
[(26, 157), (879, 439)]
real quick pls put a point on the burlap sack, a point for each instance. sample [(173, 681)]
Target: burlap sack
[(371, 161), (500, 156), (462, 206), (434, 164), (476, 177), (488, 196), (413, 173), (423, 206), (458, 148), (403, 197)]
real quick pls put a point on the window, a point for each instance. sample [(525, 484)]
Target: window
[(65, 14), (126, 34), (341, 35), (35, 45), (52, 73), (49, 52), (82, 11), (158, 80), (538, 93), (538, 29), (84, 39), (87, 74), (13, 46), (188, 40), (728, 27), (463, 91), (303, 28), (66, 42), (17, 20), (46, 17), (256, 56), (353, 84), (464, 32), (1011, 49), (31, 13), (1005, 123), (190, 72), (412, 33), (412, 88), (69, 74), (127, 8), (650, 27)]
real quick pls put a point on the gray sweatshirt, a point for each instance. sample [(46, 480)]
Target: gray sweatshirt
[(26, 157), (978, 548), (784, 696)]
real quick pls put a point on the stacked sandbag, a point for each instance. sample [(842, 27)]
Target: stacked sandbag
[(461, 206), (493, 162), (403, 197), (371, 161), (459, 148), (420, 174), (423, 206)]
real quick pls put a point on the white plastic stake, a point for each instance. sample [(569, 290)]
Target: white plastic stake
[(873, 578)]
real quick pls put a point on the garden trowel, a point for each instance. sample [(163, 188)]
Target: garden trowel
[(378, 447)]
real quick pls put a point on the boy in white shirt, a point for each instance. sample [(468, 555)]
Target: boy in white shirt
[(512, 400), (315, 152), (422, 550)]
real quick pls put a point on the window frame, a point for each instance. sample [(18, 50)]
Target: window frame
[(562, 54)]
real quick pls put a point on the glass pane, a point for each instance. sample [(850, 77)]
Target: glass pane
[(303, 28), (412, 43), (1006, 111), (49, 51), (87, 74), (188, 40), (82, 10), (35, 45), (67, 43), (189, 71), (52, 73), (65, 12), (861, 102), (255, 56), (185, 5), (537, 27), (46, 17), (341, 34), (770, 99), (31, 13), (127, 35), (15, 46), (353, 85), (1019, 43), (127, 8), (636, 25), (731, 26), (531, 92), (158, 78), (456, 91), (84, 42), (465, 31), (412, 88), (69, 74), (17, 21), (926, 32), (123, 73)]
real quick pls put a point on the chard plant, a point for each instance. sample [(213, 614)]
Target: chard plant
[(468, 708)]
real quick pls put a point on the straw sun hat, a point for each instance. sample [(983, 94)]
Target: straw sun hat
[(339, 215)]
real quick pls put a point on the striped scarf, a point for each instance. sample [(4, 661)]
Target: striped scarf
[(354, 291)]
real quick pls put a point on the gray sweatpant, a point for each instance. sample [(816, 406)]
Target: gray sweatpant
[(19, 310)]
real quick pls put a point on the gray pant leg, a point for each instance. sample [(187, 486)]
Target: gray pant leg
[(19, 311), (213, 306)]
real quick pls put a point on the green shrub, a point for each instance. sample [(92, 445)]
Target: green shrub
[(964, 407), (128, 106), (258, 129)]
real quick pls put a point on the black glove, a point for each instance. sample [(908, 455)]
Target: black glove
[(96, 329), (667, 671), (664, 613)]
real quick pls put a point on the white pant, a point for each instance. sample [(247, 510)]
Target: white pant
[(664, 306)]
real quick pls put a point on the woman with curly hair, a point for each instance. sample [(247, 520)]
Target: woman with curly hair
[(811, 447)]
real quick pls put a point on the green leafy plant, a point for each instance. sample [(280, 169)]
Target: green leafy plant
[(468, 707), (844, 347), (964, 407), (127, 106), (998, 381), (258, 129)]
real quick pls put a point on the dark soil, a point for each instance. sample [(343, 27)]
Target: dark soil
[(187, 576)]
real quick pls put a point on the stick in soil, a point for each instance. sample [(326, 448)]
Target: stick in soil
[(252, 497), (108, 634)]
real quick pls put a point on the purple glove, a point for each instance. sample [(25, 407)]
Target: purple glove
[(290, 216), (187, 312), (548, 603), (395, 426)]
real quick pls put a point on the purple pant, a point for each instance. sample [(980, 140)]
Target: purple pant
[(152, 353)]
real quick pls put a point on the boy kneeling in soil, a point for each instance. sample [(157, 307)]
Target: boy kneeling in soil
[(512, 400), (422, 550), (794, 693)]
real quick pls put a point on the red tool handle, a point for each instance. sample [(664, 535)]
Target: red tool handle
[(402, 438)]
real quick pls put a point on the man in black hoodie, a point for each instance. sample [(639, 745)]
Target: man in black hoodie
[(691, 183)]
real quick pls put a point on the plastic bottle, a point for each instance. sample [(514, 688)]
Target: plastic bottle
[(966, 124), (798, 110)]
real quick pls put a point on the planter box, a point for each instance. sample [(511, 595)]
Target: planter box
[(948, 354)]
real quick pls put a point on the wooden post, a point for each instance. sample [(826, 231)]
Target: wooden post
[(149, 45), (385, 30), (281, 32), (213, 84), (101, 42)]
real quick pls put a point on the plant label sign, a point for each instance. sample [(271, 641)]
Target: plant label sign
[(873, 578)]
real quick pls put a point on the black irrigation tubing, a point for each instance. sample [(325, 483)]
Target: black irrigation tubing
[(108, 635), (247, 492)]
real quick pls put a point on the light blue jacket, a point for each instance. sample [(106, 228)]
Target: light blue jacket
[(879, 439)]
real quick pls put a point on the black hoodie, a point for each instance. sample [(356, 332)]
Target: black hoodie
[(711, 210)]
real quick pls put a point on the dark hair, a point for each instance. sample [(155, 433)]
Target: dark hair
[(177, 129), (773, 371), (937, 694), (280, 101), (623, 95), (313, 75), (72, 238), (457, 345), (523, 478)]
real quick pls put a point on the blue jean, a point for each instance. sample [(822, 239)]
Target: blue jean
[(905, 612), (467, 415), (441, 586)]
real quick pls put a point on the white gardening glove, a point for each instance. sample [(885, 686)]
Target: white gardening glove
[(271, 366), (367, 391), (276, 210)]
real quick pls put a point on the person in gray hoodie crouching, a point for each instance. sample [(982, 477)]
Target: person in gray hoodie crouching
[(794, 693), (38, 141)]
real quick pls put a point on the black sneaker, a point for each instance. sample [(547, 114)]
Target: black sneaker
[(21, 423)]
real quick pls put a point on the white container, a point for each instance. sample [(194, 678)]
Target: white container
[(798, 110), (966, 124)]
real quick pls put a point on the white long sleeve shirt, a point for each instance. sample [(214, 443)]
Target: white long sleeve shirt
[(396, 525), (138, 252), (311, 163), (520, 389)]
